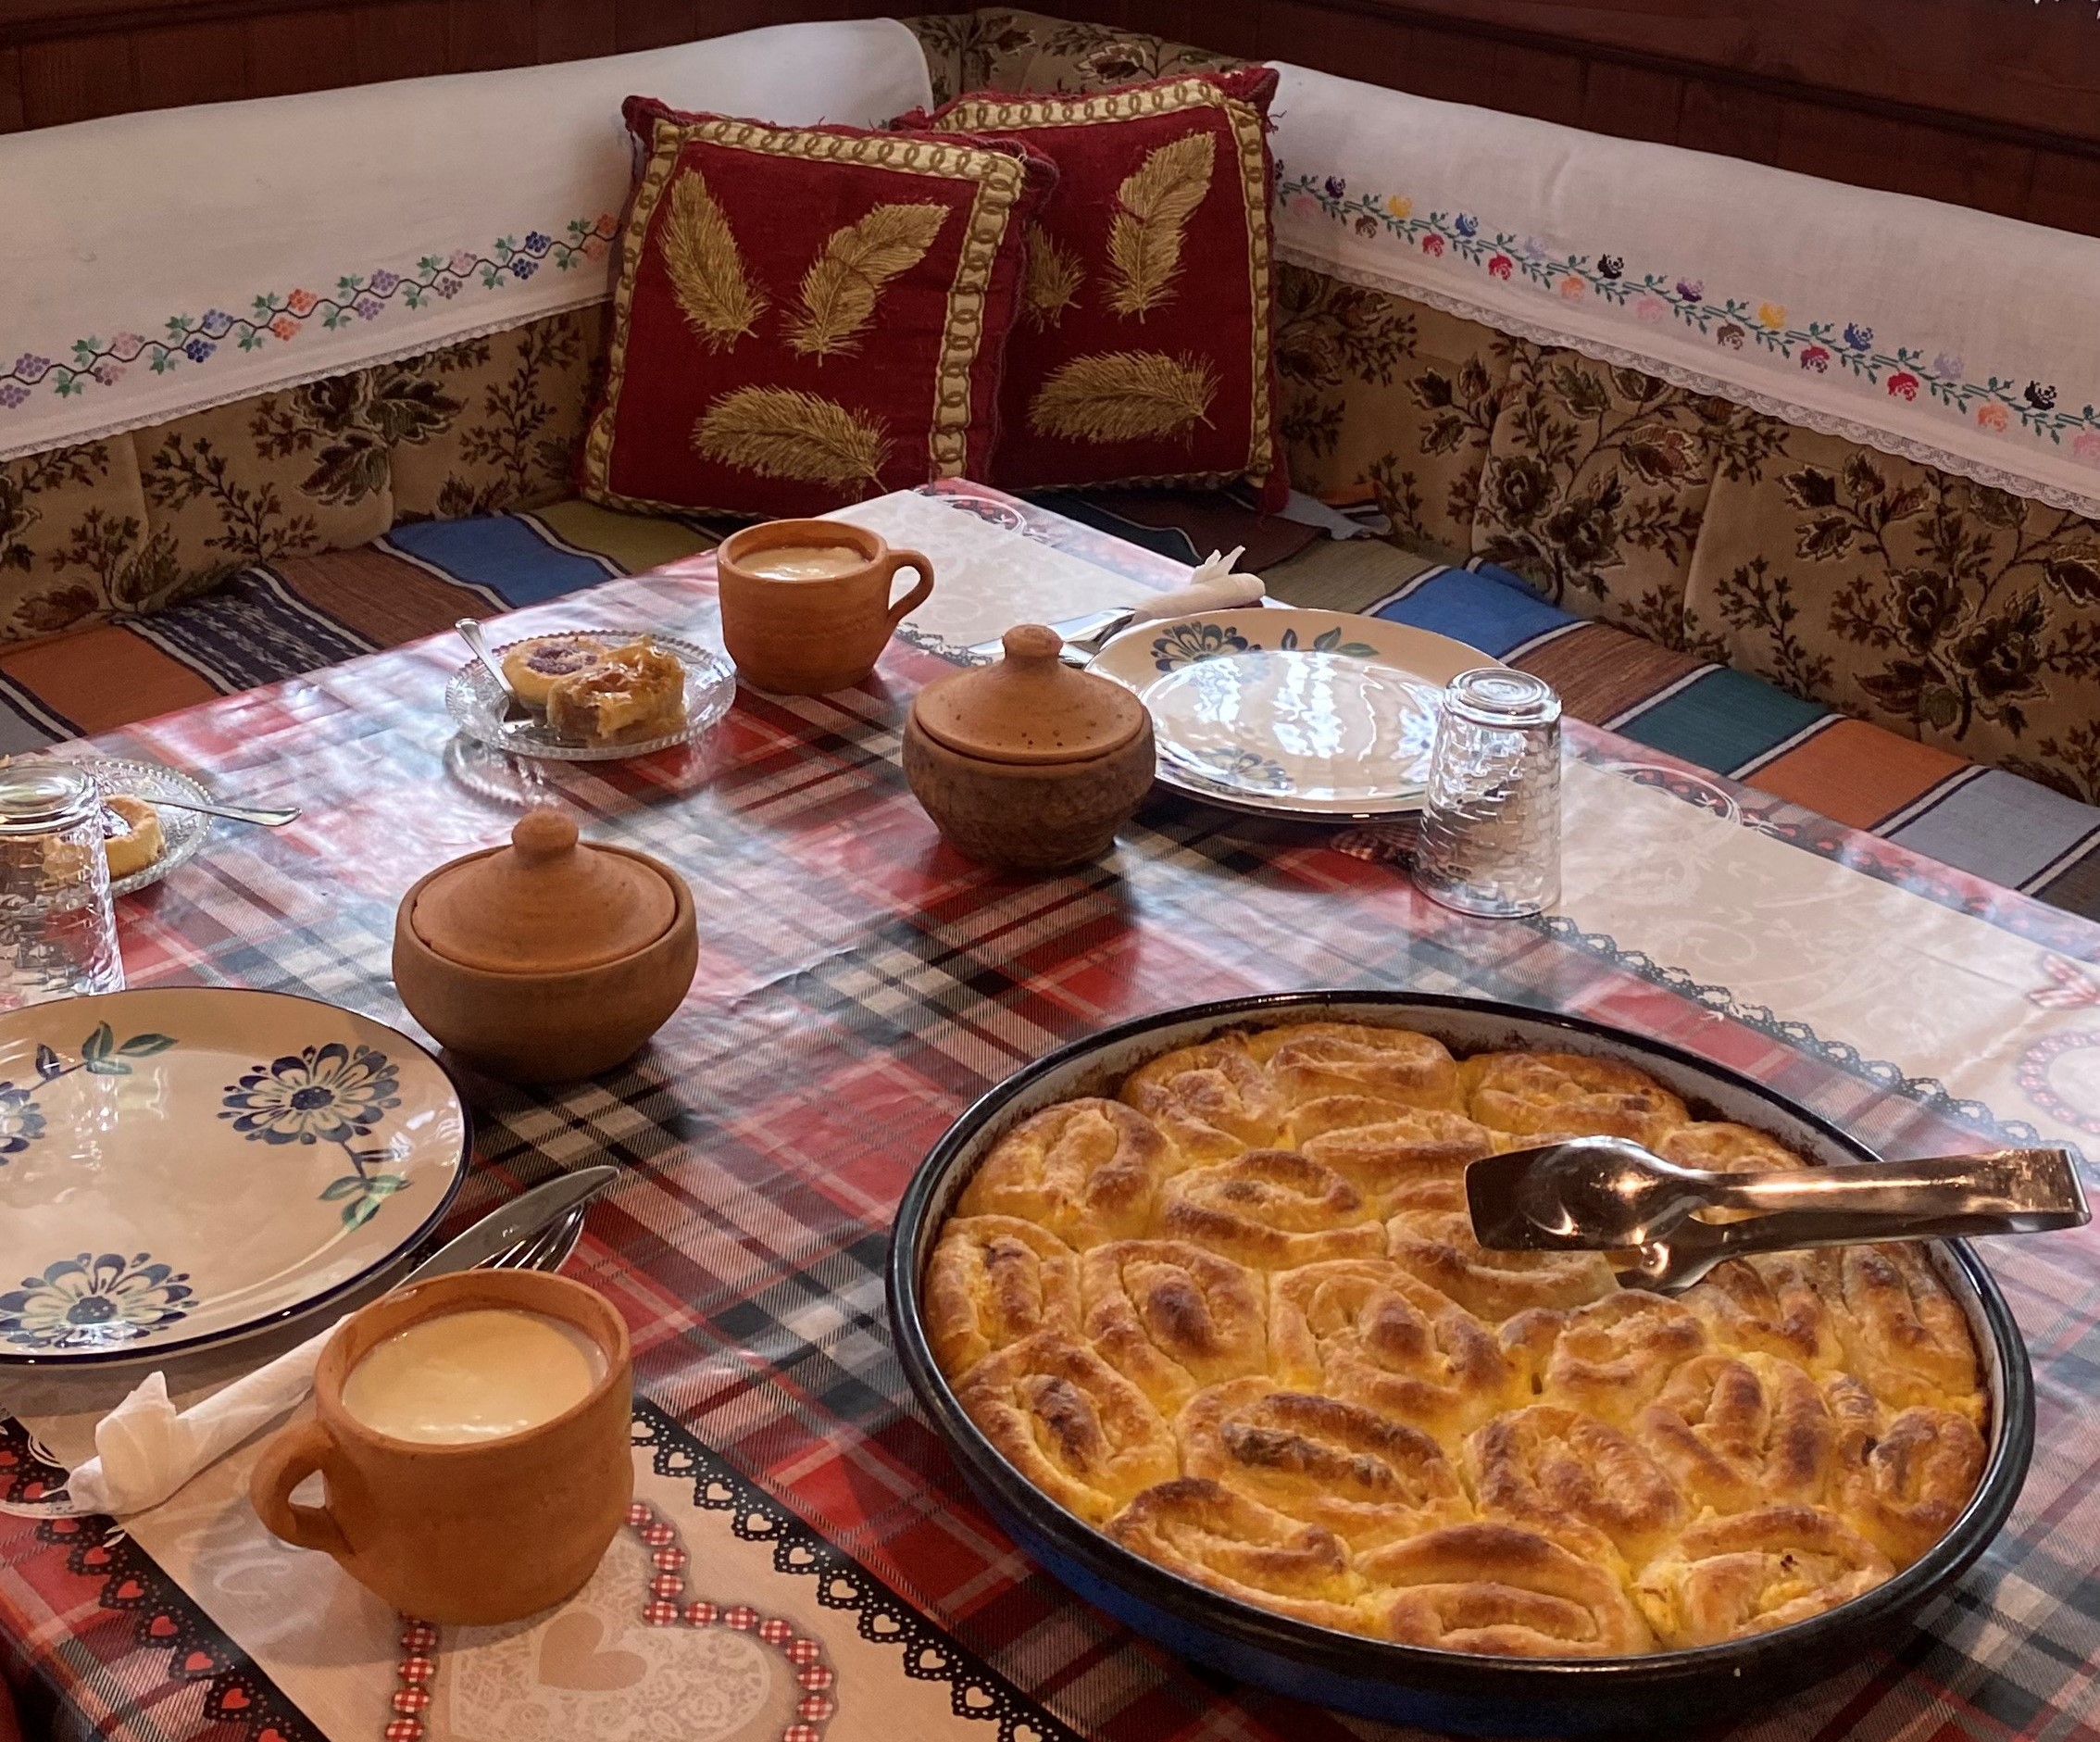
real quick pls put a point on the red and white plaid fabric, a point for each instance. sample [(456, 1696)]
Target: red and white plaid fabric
[(860, 984)]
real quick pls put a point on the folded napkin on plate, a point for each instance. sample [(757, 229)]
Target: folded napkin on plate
[(1213, 587), (145, 1449)]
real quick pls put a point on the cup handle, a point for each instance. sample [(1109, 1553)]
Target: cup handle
[(918, 595), (288, 1458)]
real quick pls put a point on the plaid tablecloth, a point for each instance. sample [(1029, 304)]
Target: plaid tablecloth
[(858, 985)]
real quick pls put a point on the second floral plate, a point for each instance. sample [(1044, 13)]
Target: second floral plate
[(182, 1166), (1301, 713)]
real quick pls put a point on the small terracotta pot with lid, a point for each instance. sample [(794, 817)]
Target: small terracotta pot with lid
[(549, 959), (1029, 763)]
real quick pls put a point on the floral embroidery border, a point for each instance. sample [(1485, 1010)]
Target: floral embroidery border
[(1736, 323), (285, 316)]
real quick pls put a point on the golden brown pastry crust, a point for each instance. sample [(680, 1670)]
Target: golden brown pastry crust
[(1236, 1318), (1174, 1317), (1544, 1094), (1500, 1591), (1751, 1571), (993, 1280), (1438, 1247), (1901, 1478), (1217, 1536), (1403, 1158), (1211, 1101), (1367, 1331), (1571, 1477), (533, 668), (1087, 1171), (1070, 1423), (1272, 1209), (629, 696), (1741, 1431), (1362, 1476), (1312, 1060)]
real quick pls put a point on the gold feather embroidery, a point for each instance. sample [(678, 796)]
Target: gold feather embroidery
[(707, 271), (1051, 276), (1157, 199), (781, 432), (1124, 396), (839, 291)]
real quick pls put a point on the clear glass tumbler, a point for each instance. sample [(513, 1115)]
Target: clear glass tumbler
[(1491, 823), (58, 927)]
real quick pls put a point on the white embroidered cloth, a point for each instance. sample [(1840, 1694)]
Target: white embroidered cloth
[(1955, 337), (173, 261)]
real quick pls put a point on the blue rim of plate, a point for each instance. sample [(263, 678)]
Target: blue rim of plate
[(137, 1354)]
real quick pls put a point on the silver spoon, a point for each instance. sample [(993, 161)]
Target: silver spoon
[(263, 815), (1611, 1194), (516, 714)]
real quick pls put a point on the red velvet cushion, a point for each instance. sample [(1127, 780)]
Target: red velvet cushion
[(806, 316), (1143, 354)]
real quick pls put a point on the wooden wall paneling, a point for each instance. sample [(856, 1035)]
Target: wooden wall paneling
[(1539, 83), (573, 29), (1234, 27), (2066, 191), (1443, 65), (1344, 43), (659, 23), (11, 120), (399, 39), (1874, 151), (190, 63), (1730, 119), (312, 49), (1177, 21), (76, 78), (2001, 61), (481, 35), (1632, 102)]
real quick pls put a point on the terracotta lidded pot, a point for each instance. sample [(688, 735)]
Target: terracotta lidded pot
[(1029, 763), (549, 959)]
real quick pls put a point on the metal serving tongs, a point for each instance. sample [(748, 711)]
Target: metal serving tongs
[(1611, 1194)]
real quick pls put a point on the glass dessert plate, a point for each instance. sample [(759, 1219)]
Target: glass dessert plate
[(181, 832), (476, 701)]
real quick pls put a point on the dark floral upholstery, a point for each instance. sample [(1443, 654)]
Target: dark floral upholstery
[(1387, 398), (1949, 611), (125, 525)]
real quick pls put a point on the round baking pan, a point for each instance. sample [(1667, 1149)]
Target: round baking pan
[(1443, 1691)]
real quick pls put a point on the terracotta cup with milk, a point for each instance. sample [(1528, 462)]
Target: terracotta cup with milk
[(473, 1434), (806, 604)]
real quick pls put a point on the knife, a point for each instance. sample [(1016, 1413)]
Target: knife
[(520, 1219)]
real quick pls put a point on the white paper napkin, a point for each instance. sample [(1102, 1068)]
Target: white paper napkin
[(1213, 587), (145, 1449)]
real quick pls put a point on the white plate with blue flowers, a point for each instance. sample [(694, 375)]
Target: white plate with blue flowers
[(183, 1167), (1298, 713)]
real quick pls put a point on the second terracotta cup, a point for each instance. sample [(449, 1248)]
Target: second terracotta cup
[(475, 1533), (809, 637)]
